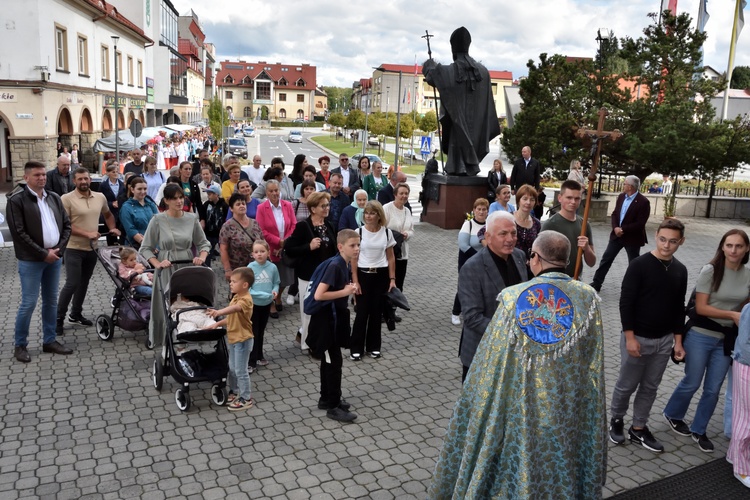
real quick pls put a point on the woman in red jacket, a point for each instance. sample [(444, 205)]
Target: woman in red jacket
[(277, 221)]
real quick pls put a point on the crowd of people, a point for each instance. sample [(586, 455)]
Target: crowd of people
[(273, 232), (279, 226)]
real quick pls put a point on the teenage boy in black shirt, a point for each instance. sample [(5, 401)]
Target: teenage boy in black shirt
[(652, 312)]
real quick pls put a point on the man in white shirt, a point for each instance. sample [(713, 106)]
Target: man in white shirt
[(349, 173), (255, 171)]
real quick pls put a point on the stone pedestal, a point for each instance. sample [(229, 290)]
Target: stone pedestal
[(447, 199), (87, 157)]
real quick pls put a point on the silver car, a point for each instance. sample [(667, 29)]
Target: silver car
[(294, 136)]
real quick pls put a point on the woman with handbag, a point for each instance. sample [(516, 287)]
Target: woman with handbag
[(277, 221), (312, 242), (237, 236), (374, 274), (400, 221), (722, 289)]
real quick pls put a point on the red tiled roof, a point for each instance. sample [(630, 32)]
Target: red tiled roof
[(111, 11), (290, 72), (408, 69)]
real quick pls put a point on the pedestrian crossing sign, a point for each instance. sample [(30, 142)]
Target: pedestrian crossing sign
[(425, 145)]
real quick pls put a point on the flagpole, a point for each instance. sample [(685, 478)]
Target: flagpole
[(730, 65)]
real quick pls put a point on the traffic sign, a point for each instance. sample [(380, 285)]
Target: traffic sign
[(136, 128), (425, 145)]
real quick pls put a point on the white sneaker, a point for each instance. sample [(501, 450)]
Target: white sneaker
[(456, 320), (290, 300), (743, 479)]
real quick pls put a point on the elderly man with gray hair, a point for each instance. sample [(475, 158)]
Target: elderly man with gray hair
[(498, 265), (628, 228)]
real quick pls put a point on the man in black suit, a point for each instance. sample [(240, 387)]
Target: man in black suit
[(628, 228), (526, 170), (349, 173), (387, 194)]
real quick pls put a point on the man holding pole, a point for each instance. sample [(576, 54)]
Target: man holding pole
[(569, 223)]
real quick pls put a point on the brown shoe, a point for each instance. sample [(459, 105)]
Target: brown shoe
[(57, 348), (22, 354)]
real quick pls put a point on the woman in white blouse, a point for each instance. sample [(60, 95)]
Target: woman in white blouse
[(374, 274), (399, 220)]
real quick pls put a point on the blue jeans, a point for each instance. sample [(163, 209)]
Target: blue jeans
[(239, 378), (704, 355), (36, 275), (144, 290)]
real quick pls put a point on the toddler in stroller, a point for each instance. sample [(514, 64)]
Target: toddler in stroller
[(131, 307), (134, 272)]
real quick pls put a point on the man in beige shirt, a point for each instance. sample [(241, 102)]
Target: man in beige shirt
[(83, 207)]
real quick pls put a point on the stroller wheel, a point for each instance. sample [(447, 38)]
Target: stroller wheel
[(104, 327), (182, 398), (149, 344), (157, 375), (219, 394)]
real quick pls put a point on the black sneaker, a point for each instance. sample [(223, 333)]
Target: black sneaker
[(704, 443), (617, 431), (355, 357), (645, 439), (80, 320), (679, 426), (325, 406), (340, 415)]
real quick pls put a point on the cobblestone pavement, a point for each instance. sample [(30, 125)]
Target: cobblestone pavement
[(91, 425)]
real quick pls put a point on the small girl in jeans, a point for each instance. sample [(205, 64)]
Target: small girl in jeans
[(264, 291), (130, 267)]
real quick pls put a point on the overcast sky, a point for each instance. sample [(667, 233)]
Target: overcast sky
[(344, 39)]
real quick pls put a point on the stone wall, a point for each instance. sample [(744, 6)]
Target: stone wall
[(24, 150), (88, 157), (695, 206)]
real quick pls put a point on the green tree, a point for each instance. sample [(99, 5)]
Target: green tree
[(664, 126), (355, 120), (215, 112), (336, 120), (741, 77), (428, 122), (559, 95), (406, 127), (339, 98)]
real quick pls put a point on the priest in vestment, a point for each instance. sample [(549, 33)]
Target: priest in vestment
[(530, 421)]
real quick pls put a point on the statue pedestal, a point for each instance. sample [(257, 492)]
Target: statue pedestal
[(450, 198)]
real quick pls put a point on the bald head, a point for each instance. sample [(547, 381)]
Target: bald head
[(398, 177), (63, 164)]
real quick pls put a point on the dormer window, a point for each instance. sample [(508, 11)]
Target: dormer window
[(228, 79), (283, 82), (301, 83), (247, 81)]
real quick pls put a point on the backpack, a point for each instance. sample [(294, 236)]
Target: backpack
[(310, 305)]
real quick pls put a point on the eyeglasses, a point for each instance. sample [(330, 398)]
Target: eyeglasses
[(327, 205), (536, 254)]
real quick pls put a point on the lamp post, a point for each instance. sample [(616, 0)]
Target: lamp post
[(368, 108), (602, 34), (116, 39)]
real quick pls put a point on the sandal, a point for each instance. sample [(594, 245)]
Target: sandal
[(231, 397)]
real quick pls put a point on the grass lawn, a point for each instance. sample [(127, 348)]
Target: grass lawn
[(339, 146)]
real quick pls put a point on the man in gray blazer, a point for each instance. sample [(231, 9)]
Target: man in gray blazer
[(498, 265)]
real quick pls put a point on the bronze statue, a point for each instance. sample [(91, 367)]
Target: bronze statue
[(467, 110)]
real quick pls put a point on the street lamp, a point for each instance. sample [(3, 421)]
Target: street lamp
[(368, 108), (602, 34), (116, 39)]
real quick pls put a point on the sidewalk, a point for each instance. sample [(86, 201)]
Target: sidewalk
[(92, 425)]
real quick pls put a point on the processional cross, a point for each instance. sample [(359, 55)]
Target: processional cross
[(597, 137)]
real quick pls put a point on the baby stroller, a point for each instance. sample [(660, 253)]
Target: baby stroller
[(130, 310), (197, 355)]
